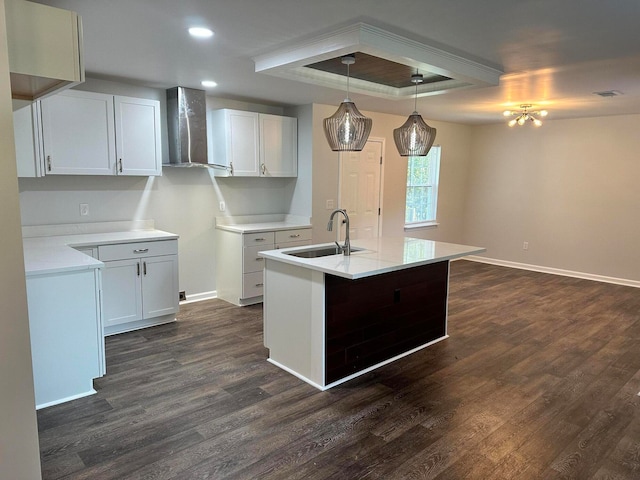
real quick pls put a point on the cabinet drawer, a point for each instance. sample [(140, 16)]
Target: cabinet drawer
[(252, 284), (293, 235), (262, 238), (251, 262), (138, 249)]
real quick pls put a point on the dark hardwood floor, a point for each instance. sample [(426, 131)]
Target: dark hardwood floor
[(538, 380)]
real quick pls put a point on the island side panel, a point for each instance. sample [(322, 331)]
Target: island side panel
[(376, 318), (294, 320)]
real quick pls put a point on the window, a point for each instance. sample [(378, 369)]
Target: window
[(422, 189)]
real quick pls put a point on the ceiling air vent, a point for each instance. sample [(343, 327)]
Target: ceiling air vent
[(608, 93)]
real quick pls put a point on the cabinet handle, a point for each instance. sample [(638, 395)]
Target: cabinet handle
[(120, 165), (264, 168), (141, 250), (259, 284), (49, 163), (259, 259), (259, 239), (144, 267), (138, 268), (294, 236), (231, 168)]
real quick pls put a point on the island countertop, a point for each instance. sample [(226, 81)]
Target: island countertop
[(379, 255)]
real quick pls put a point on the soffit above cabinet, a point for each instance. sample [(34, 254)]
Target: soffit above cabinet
[(384, 64)]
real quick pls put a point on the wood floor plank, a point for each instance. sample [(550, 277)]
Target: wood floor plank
[(539, 379)]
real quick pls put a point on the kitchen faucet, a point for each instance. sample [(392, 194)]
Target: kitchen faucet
[(346, 249)]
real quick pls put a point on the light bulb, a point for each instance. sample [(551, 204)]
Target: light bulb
[(200, 32), (522, 119), (543, 113), (512, 122), (507, 113), (537, 122)]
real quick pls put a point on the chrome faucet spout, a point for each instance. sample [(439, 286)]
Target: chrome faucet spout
[(346, 249)]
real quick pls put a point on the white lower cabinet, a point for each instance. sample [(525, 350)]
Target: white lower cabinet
[(140, 284), (67, 345), (239, 269)]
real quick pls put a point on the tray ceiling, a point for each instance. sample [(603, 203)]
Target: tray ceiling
[(384, 64)]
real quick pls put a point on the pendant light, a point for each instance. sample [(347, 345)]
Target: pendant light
[(414, 138), (347, 130)]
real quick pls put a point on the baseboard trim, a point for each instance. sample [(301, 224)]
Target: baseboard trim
[(555, 271), (198, 297)]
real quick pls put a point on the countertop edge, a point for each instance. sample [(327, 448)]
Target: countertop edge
[(42, 254), (378, 266)]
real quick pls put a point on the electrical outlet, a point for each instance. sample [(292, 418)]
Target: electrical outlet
[(84, 209), (330, 204), (222, 206), (525, 245)]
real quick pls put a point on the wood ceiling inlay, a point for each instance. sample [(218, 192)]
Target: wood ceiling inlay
[(376, 70)]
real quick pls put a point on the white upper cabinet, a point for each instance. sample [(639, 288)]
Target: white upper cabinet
[(26, 131), (138, 143), (79, 134), (253, 144), (86, 133), (45, 49), (278, 146)]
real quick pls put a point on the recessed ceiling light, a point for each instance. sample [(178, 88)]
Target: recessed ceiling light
[(208, 83), (200, 32)]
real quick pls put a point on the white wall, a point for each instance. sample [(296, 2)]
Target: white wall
[(19, 450), (456, 144), (569, 188), (183, 200)]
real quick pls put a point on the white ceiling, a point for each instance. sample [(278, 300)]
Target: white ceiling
[(555, 53)]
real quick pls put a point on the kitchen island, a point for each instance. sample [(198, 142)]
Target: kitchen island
[(331, 318)]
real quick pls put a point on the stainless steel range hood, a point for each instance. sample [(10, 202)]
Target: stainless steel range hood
[(187, 128)]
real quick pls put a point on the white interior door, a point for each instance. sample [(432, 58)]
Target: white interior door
[(360, 174)]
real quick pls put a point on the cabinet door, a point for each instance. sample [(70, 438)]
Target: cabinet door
[(122, 291), (137, 136), (278, 146), (242, 143), (79, 134), (159, 285), (26, 133)]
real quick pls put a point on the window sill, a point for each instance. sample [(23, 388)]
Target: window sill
[(413, 226)]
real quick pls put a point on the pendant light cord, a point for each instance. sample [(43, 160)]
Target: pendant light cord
[(348, 97)]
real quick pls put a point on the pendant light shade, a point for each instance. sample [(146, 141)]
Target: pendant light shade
[(347, 130), (414, 138)]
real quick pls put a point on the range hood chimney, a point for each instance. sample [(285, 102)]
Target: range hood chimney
[(187, 127)]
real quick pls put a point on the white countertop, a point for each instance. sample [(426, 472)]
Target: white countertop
[(380, 255), (55, 254), (262, 227), (262, 223)]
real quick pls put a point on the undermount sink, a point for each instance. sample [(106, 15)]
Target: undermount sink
[(323, 251)]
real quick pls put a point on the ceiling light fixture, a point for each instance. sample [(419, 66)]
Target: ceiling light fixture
[(414, 138), (347, 130), (208, 83), (200, 32), (523, 115)]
